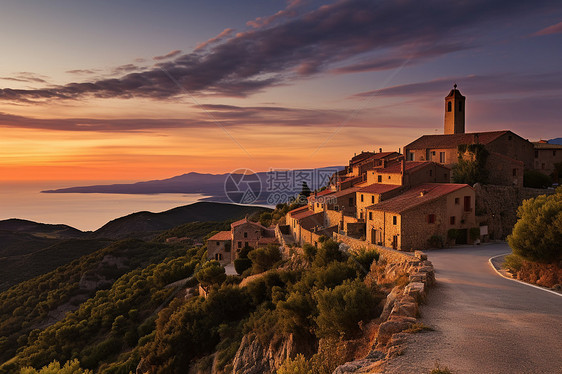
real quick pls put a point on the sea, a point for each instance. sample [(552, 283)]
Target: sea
[(84, 211)]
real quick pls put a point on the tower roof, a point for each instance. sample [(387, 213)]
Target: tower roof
[(455, 93)]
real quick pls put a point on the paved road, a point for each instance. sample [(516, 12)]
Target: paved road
[(484, 323)]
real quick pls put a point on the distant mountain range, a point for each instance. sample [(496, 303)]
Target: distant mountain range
[(555, 141), (278, 183)]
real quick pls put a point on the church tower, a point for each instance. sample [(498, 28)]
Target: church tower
[(454, 112)]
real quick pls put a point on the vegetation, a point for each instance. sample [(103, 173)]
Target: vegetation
[(536, 179), (440, 370), (513, 262), (538, 232), (194, 230), (470, 167), (435, 241), (71, 367)]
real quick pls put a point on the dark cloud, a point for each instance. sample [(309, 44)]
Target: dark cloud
[(168, 55), (124, 69), (224, 34), (83, 71), (507, 83), (26, 77), (554, 29), (298, 47)]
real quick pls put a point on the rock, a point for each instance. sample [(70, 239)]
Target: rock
[(418, 277), (406, 309), (389, 304), (420, 255), (416, 290), (365, 365), (391, 327)]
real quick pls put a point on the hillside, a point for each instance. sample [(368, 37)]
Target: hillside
[(146, 224), (41, 229)]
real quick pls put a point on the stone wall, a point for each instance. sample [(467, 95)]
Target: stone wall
[(496, 206), (389, 255)]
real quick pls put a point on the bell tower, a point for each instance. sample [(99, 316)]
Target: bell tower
[(454, 112)]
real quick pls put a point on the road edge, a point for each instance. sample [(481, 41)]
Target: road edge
[(517, 280)]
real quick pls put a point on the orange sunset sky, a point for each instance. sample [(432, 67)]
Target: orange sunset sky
[(140, 90)]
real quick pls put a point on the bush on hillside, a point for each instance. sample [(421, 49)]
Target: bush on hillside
[(538, 233), (264, 258), (211, 274), (242, 264)]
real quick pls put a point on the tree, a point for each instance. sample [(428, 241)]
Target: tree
[(71, 367), (470, 167), (538, 232), (212, 273), (297, 365), (264, 258)]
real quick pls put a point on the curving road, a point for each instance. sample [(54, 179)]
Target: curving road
[(484, 323)]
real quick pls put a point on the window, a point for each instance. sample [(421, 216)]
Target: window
[(431, 218), (372, 199), (449, 106), (430, 173), (318, 205), (410, 156), (389, 177), (370, 215), (239, 244), (433, 153), (467, 204), (351, 201), (452, 220), (245, 234), (380, 178), (218, 256), (361, 215), (514, 172), (442, 157), (457, 201), (361, 197), (536, 154), (218, 243), (245, 244), (394, 220)]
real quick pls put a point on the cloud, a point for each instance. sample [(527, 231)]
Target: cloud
[(554, 29), (507, 83), (27, 77), (83, 71), (335, 35), (289, 12), (123, 69), (223, 35), (168, 55)]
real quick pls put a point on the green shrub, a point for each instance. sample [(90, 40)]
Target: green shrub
[(328, 252), (366, 257), (513, 262), (452, 234), (211, 274), (264, 258), (70, 367), (474, 233), (309, 251), (297, 365), (340, 309), (538, 232), (242, 264), (536, 179)]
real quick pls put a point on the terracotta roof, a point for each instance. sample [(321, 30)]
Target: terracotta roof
[(302, 215), (222, 235), (319, 194), (453, 140), (379, 188), (347, 191), (293, 212), (361, 156), (245, 220), (367, 156), (540, 145), (267, 240), (414, 197)]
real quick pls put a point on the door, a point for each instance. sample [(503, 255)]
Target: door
[(395, 242)]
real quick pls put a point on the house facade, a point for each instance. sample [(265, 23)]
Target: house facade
[(408, 221), (226, 245), (546, 155)]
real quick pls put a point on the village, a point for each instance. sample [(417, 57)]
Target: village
[(406, 201)]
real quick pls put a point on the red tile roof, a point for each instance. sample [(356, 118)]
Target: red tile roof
[(267, 240), (222, 235), (319, 194), (453, 140), (245, 220), (367, 156), (305, 214), (347, 191), (296, 211), (414, 197), (379, 188)]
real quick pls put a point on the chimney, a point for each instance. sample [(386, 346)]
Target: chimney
[(380, 150), (398, 149)]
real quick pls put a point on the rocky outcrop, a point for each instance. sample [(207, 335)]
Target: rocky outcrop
[(254, 358), (399, 313)]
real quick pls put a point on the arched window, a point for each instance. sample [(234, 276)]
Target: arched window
[(449, 106)]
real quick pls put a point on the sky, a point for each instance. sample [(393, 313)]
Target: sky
[(133, 90)]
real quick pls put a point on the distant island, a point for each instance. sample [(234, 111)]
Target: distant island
[(213, 185)]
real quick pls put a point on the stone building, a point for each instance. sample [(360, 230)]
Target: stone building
[(225, 245), (444, 149), (409, 173), (373, 194), (546, 155), (409, 220)]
